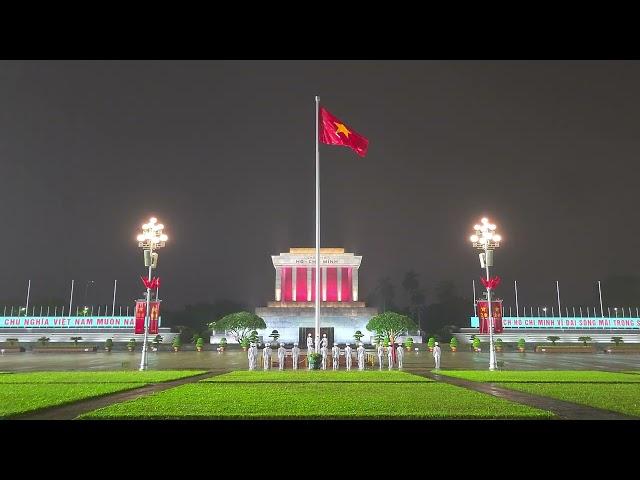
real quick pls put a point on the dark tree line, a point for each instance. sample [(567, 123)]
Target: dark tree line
[(445, 314)]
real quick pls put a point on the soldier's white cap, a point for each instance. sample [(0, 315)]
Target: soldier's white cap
[(309, 335), (282, 344), (436, 343), (335, 344), (295, 343)]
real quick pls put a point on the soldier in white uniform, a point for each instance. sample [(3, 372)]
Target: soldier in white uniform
[(361, 356), (266, 356), (347, 356), (325, 341), (324, 351), (400, 354), (335, 356), (295, 353), (251, 354), (309, 349), (380, 354), (282, 352), (390, 355), (436, 355)]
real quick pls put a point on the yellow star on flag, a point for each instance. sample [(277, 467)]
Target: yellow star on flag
[(342, 128)]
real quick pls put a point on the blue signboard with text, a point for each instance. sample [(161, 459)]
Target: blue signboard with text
[(569, 323)]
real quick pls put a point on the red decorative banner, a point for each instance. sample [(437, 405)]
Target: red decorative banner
[(153, 284), (155, 313), (141, 310), (483, 316), (141, 307), (492, 283)]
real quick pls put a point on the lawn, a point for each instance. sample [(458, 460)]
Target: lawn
[(618, 397), (148, 376), (313, 399), (310, 376), (31, 391), (21, 398), (573, 376)]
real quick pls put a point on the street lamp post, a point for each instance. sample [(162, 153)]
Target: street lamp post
[(149, 240), (487, 240)]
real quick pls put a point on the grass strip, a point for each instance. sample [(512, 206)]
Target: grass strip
[(22, 398), (540, 376), (312, 376), (147, 376), (617, 397), (420, 400)]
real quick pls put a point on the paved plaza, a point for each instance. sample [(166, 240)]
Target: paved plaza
[(235, 359)]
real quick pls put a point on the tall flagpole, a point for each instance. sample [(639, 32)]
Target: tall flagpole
[(113, 306), (26, 312), (515, 286), (317, 309)]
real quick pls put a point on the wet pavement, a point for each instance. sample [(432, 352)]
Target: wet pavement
[(235, 359)]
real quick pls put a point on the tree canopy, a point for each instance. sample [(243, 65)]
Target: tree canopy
[(239, 324), (390, 324)]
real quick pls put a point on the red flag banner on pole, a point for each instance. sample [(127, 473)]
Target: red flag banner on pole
[(141, 307), (334, 131), (496, 306), (483, 316), (141, 310), (153, 319)]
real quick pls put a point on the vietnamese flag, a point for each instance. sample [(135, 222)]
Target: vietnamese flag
[(334, 131)]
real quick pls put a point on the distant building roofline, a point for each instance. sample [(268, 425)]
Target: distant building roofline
[(307, 251)]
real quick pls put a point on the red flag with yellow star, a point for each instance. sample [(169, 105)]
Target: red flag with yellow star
[(335, 132)]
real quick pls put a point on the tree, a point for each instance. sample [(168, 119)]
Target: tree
[(449, 312), (553, 339), (358, 335), (275, 335), (239, 324), (584, 340), (75, 340), (391, 325), (197, 317), (43, 340), (617, 340), (445, 291)]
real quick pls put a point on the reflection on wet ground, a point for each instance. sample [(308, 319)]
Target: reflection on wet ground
[(237, 360)]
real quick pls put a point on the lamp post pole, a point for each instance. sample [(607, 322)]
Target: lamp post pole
[(151, 238), (487, 240), (143, 360), (492, 352)]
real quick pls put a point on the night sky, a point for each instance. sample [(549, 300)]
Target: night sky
[(223, 153)]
